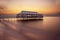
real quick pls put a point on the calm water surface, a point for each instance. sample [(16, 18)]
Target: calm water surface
[(46, 29)]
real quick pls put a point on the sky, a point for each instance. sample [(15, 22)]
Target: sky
[(41, 6)]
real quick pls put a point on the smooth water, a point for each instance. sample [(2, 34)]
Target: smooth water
[(46, 29)]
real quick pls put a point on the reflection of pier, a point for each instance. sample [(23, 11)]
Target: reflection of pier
[(21, 16), (29, 30)]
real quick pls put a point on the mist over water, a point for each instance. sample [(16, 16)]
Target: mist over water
[(46, 29)]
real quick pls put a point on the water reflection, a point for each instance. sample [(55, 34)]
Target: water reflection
[(51, 23), (46, 29)]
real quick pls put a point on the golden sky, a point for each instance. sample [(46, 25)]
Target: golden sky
[(41, 6)]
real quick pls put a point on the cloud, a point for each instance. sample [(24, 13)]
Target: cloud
[(2, 9)]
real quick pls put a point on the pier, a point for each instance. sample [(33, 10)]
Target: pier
[(24, 15)]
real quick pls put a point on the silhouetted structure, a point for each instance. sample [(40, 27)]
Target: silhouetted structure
[(23, 15), (29, 15), (7, 15)]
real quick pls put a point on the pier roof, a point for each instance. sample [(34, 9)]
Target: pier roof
[(29, 12)]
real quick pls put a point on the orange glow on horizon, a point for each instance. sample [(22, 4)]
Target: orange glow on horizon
[(41, 10), (44, 7)]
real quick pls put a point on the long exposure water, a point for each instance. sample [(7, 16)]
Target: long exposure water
[(46, 29)]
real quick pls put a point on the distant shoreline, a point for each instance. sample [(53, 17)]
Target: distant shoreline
[(51, 16)]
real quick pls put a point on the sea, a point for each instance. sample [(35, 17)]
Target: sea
[(46, 29)]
